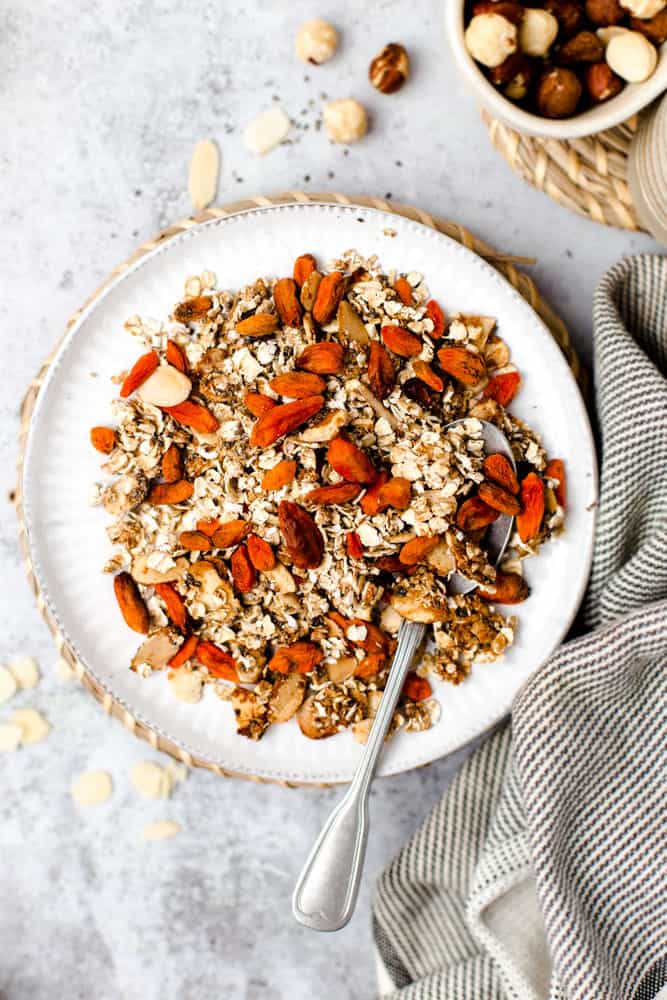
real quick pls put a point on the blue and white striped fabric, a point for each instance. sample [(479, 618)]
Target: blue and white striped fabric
[(543, 871)]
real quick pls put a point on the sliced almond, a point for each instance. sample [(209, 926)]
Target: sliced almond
[(143, 573), (309, 289), (34, 727), (161, 829), (157, 650), (281, 578), (286, 697), (10, 737), (204, 170), (441, 559), (92, 788), (267, 131), (8, 685), (342, 668), (150, 780), (25, 671)]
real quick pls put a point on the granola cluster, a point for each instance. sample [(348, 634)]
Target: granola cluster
[(295, 467)]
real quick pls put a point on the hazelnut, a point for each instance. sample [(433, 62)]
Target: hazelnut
[(537, 32), (604, 12), (512, 11), (570, 15), (558, 93), (601, 82), (501, 75), (644, 8), (655, 28), (345, 120), (583, 47), (316, 42), (631, 56), (390, 69), (490, 39)]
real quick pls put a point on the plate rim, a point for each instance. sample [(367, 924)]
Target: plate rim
[(137, 261)]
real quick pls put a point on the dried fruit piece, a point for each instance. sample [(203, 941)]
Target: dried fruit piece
[(217, 661), (370, 501), (336, 493), (555, 469), (371, 665), (244, 574), (176, 357), (462, 364), (350, 462), (417, 549), (403, 289), (417, 688), (499, 470), (418, 391), (161, 493), (381, 375), (209, 525), (300, 657), (193, 415), (508, 588), (287, 303), (325, 358), (498, 498), (259, 325), (297, 385), (400, 341), (279, 421), (260, 552), (193, 309), (139, 372), (424, 372), (373, 640), (131, 603), (258, 404), (230, 533), (185, 653), (280, 475), (503, 388), (475, 515), (303, 539), (174, 604), (395, 493), (355, 549), (532, 502), (329, 293), (436, 315), (172, 464), (194, 541), (103, 439), (303, 268)]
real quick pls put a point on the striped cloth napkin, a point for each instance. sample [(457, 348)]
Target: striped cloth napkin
[(542, 872)]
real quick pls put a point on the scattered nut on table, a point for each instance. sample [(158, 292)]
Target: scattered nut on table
[(491, 38), (345, 120), (316, 41), (390, 68), (631, 56)]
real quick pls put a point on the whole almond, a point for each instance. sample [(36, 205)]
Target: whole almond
[(131, 603), (330, 292), (259, 325)]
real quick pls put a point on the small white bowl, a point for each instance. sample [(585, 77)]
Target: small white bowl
[(632, 98)]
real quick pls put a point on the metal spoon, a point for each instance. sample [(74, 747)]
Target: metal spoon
[(326, 891)]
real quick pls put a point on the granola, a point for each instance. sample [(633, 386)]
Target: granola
[(286, 483)]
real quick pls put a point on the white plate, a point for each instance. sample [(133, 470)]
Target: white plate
[(68, 540)]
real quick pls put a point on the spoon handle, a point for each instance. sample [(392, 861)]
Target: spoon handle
[(326, 891)]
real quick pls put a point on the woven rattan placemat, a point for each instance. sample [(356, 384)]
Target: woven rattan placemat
[(586, 175), (502, 262)]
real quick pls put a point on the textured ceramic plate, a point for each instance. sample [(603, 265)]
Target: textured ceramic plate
[(68, 540)]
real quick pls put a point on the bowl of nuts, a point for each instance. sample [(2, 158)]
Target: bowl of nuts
[(561, 68)]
